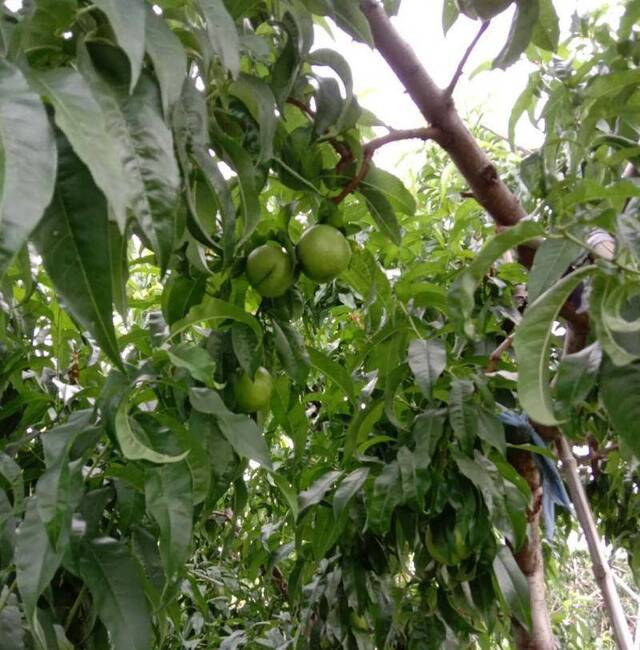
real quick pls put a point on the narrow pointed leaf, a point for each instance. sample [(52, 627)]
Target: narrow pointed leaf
[(71, 240), (36, 560), (240, 430), (128, 22), (28, 155), (112, 576), (131, 443), (81, 119), (532, 343), (145, 143), (169, 500), (551, 261), (168, 57), (382, 213), (427, 360), (223, 34)]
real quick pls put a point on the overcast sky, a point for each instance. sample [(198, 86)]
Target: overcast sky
[(419, 22)]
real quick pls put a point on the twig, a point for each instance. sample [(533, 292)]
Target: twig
[(494, 357), (458, 73), (424, 133)]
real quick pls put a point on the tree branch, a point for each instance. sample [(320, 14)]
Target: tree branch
[(601, 568), (458, 73), (424, 133)]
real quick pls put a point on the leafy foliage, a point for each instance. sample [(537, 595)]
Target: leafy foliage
[(145, 154)]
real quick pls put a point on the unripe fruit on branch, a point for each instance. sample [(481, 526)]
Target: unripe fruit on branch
[(270, 270), (253, 394), (323, 253)]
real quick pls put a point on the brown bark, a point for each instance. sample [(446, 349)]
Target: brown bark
[(531, 562)]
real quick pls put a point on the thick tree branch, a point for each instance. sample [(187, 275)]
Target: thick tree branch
[(531, 562), (458, 73)]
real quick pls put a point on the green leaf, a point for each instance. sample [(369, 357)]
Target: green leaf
[(247, 184), (526, 100), (317, 490), (552, 260), (12, 473), (334, 60), (213, 309), (218, 186), (11, 632), (532, 344), (382, 213), (577, 374), (352, 20), (59, 489), (619, 389), (258, 97), (450, 13), (387, 494), (462, 413), (490, 429), (329, 105), (393, 189), (333, 371), (112, 576), (348, 488), (240, 430), (36, 560), (128, 23), (136, 124), (81, 119), (513, 585), (131, 443), (246, 347), (616, 334), (27, 161), (522, 27), (288, 492), (223, 34), (427, 360), (461, 293), (193, 358), (168, 57), (292, 351), (546, 32), (118, 248), (169, 500), (71, 239)]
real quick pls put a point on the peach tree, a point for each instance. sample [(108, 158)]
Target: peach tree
[(257, 392)]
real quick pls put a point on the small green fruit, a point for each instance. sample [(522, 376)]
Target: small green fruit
[(324, 253), (270, 270), (253, 395)]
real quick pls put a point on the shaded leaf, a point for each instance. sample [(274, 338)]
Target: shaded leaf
[(168, 57), (28, 162), (382, 213), (169, 500), (427, 360), (71, 239), (128, 22), (240, 430), (81, 119), (550, 263), (133, 446), (223, 34), (348, 488), (112, 576)]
